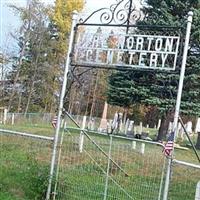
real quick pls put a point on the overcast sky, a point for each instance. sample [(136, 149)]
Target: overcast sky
[(9, 22)]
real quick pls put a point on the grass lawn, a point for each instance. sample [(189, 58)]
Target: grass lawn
[(25, 166)]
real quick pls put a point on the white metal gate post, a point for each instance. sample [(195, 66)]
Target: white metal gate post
[(178, 100), (108, 169), (81, 139), (56, 137)]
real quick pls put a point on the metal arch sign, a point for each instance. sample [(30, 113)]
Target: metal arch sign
[(132, 50), (116, 42)]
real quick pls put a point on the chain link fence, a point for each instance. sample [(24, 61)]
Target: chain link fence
[(25, 165), (90, 165), (184, 180), (29, 118), (108, 167)]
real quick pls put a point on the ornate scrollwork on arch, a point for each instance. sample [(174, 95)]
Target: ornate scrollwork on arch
[(123, 12)]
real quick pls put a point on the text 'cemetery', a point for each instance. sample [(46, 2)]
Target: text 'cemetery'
[(133, 50)]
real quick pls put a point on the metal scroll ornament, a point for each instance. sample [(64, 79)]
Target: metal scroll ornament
[(123, 12)]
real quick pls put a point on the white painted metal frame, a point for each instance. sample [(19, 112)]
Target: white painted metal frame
[(178, 101)]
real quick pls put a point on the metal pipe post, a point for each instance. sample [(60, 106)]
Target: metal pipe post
[(108, 169), (62, 95), (178, 100)]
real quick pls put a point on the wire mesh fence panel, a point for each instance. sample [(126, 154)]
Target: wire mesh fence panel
[(24, 167), (81, 175), (109, 168), (143, 166), (29, 118), (184, 181)]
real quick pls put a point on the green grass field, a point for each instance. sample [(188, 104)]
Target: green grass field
[(25, 166)]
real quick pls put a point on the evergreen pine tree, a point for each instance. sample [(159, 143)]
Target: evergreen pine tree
[(160, 88)]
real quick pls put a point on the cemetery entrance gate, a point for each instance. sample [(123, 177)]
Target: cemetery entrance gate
[(107, 166)]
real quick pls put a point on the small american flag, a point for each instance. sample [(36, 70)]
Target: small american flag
[(169, 145), (54, 121)]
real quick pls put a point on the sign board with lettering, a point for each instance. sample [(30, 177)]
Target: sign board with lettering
[(112, 48)]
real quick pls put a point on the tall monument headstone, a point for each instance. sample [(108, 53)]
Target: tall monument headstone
[(103, 123)]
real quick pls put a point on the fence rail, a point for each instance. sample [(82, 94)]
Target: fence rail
[(109, 167), (5, 131), (184, 179), (25, 165), (91, 165)]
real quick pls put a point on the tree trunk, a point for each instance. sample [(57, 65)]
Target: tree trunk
[(29, 96), (19, 103), (23, 48), (163, 130), (94, 95), (13, 91), (198, 141)]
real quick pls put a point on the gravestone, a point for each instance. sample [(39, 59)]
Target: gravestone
[(197, 194), (135, 130), (5, 115), (197, 128), (130, 130), (109, 126), (91, 124), (141, 128), (120, 124), (103, 123), (126, 126), (170, 127), (142, 149), (13, 119), (134, 145), (115, 122), (189, 127), (181, 131)]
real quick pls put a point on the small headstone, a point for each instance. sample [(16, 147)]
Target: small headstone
[(126, 126), (142, 148), (13, 118), (179, 130), (5, 115), (115, 122), (170, 127), (120, 124), (141, 128), (197, 128), (189, 127), (134, 145), (135, 130), (197, 194), (109, 125), (147, 125), (91, 124), (130, 130)]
